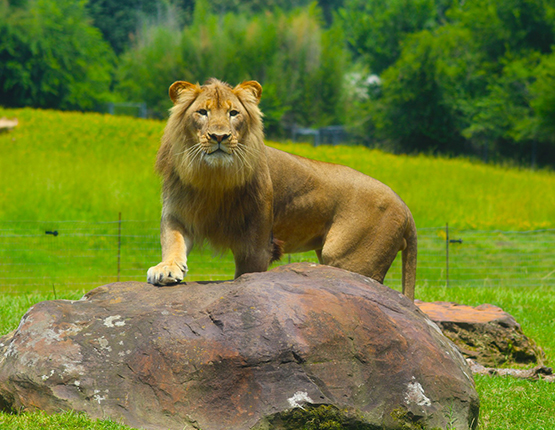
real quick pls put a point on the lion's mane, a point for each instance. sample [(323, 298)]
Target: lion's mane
[(215, 202)]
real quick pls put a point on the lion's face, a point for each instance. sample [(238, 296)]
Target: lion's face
[(219, 123), (215, 130)]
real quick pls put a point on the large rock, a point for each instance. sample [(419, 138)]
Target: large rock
[(486, 334), (258, 352)]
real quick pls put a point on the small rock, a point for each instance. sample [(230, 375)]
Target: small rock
[(485, 334), (6, 124), (539, 372)]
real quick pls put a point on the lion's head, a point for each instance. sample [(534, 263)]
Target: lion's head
[(214, 135)]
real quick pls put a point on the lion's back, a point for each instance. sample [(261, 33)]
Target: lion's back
[(310, 196)]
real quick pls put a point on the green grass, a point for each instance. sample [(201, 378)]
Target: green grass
[(512, 404), (74, 166), (58, 166), (64, 421)]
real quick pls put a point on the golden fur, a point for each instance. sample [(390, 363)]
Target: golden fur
[(223, 185)]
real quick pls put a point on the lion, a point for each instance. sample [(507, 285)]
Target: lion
[(223, 185)]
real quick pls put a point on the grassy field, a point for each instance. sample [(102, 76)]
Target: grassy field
[(87, 167), (74, 166)]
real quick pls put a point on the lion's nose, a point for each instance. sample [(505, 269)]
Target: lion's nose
[(219, 137)]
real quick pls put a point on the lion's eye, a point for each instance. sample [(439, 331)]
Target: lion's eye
[(233, 112), (202, 112)]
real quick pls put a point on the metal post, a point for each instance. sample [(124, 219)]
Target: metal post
[(447, 252), (119, 244)]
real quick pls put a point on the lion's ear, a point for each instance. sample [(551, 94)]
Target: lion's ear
[(253, 88), (178, 87)]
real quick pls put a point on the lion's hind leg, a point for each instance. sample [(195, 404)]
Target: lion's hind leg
[(369, 251)]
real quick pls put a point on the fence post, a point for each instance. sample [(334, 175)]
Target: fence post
[(119, 244), (447, 252), (447, 242)]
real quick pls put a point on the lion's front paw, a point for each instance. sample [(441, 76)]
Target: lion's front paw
[(166, 273)]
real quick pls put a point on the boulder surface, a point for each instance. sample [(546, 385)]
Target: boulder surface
[(238, 355)]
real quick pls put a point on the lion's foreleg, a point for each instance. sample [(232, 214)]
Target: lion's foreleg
[(255, 253), (257, 262), (176, 245)]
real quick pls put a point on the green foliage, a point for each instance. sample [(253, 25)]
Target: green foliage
[(119, 20), (376, 29), (51, 57), (543, 99), (322, 417), (507, 26), (415, 110), (479, 82), (299, 64), (222, 7)]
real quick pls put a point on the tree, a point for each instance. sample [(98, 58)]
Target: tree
[(375, 29), (299, 63), (479, 83), (543, 101), (51, 57), (120, 20), (417, 109), (507, 26), (511, 37), (221, 7)]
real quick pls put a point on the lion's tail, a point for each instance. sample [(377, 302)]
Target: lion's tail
[(408, 256)]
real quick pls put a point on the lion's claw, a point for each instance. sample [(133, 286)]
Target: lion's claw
[(166, 274)]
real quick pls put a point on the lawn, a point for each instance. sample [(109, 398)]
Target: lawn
[(87, 168), (90, 167)]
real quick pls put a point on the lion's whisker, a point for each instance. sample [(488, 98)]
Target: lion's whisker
[(246, 151), (242, 157), (197, 155), (191, 155)]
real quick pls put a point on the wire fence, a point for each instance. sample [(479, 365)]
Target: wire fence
[(78, 255)]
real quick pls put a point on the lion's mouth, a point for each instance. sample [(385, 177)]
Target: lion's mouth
[(219, 150), (218, 157)]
